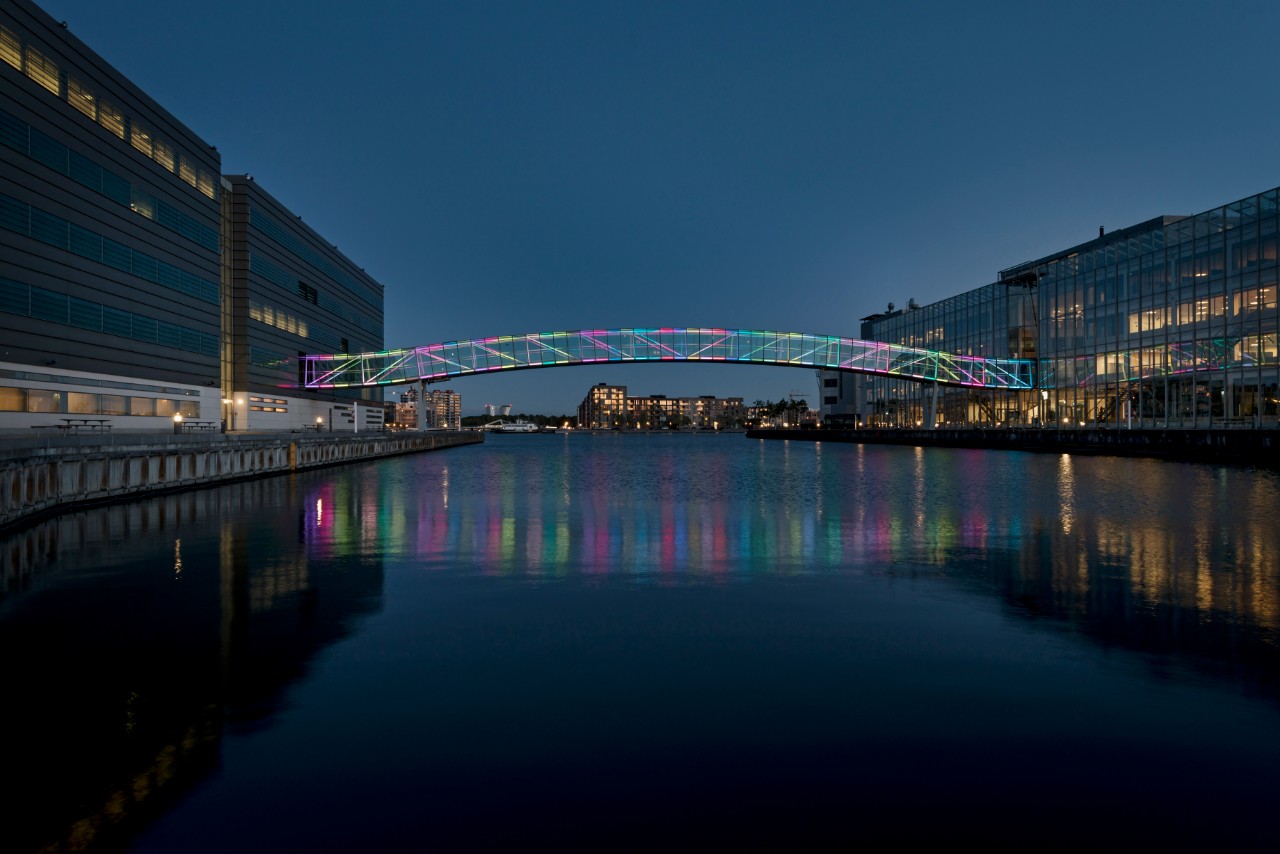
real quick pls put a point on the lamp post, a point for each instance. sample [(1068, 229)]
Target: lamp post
[(319, 422), (177, 423)]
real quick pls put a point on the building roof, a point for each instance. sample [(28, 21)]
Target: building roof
[(1011, 273)]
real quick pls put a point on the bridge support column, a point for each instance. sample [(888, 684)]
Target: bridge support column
[(422, 404), (931, 406)]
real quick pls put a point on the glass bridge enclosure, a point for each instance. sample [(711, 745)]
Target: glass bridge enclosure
[(666, 344)]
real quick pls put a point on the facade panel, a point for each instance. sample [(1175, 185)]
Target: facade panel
[(289, 293), (108, 228), (129, 262)]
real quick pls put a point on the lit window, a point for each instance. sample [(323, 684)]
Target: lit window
[(111, 118), (1257, 349), (206, 183), (1255, 299), (164, 155), (82, 98), (12, 399), (82, 404), (142, 203), (140, 138), (186, 171), (42, 400), (42, 69), (10, 48)]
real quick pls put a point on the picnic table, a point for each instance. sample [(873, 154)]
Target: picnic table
[(192, 426), (90, 425)]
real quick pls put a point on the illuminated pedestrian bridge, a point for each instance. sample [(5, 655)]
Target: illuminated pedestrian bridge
[(449, 359)]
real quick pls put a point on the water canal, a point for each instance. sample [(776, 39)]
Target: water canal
[(609, 640)]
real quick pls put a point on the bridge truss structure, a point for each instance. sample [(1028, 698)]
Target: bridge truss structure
[(436, 362)]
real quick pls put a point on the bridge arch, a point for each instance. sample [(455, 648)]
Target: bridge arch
[(449, 359)]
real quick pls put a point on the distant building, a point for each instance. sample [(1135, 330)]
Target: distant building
[(604, 406), (838, 396), (607, 406), (443, 410)]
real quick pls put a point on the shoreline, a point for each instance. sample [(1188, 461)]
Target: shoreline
[(41, 477), (1258, 447)]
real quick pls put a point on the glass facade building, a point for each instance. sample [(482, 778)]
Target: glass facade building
[(1169, 323)]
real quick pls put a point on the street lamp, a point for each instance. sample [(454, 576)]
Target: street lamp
[(319, 421), (177, 422)]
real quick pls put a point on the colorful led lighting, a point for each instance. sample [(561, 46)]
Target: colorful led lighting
[(665, 344)]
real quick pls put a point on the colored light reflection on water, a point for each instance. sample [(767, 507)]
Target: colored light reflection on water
[(609, 640)]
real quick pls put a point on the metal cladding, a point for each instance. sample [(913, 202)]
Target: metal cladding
[(666, 344)]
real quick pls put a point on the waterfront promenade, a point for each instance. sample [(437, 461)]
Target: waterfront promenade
[(1253, 447), (52, 473)]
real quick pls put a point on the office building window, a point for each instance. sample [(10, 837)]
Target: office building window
[(140, 138), (43, 400), (10, 48), (110, 117), (82, 99), (42, 69)]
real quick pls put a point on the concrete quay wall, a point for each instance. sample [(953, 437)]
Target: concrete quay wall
[(38, 476), (1252, 447)]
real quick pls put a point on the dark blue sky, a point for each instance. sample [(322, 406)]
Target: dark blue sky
[(515, 167)]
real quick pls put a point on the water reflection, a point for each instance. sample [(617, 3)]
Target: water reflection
[(1142, 553), (137, 636), (1185, 536)]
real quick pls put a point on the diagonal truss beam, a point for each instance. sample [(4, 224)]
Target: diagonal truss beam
[(663, 344)]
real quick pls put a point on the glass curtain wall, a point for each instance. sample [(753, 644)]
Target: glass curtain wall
[(1173, 324), (995, 321), (1172, 327)]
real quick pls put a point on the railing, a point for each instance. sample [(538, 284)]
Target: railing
[(668, 344)]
